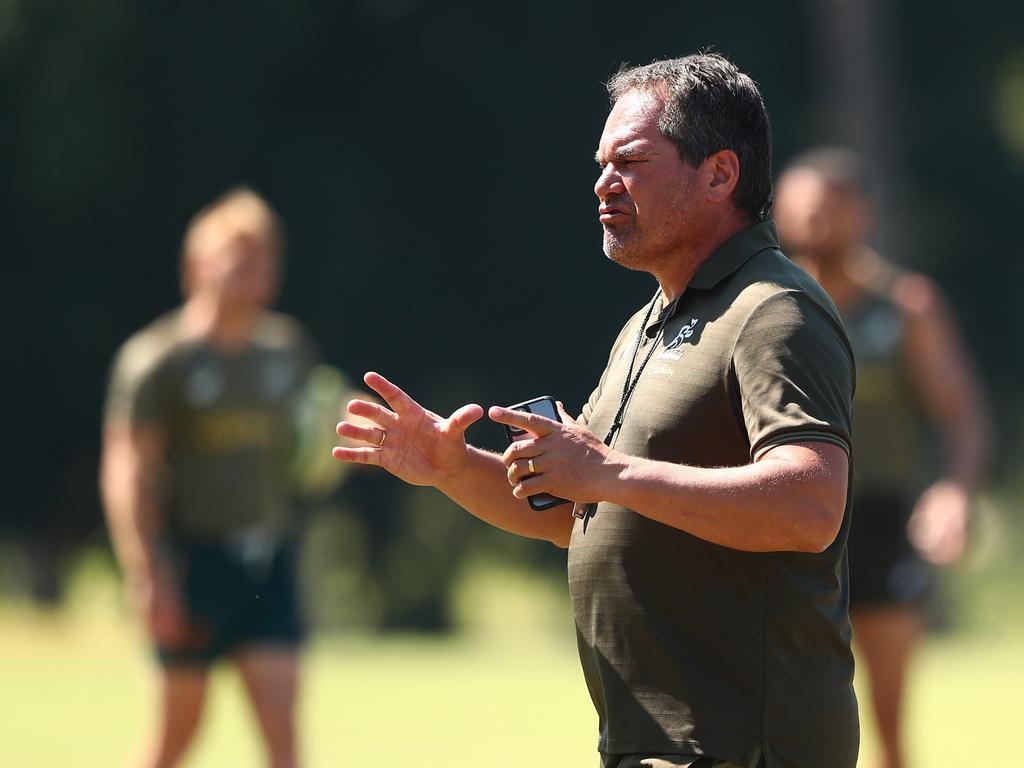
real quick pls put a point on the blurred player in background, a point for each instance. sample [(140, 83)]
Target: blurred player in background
[(913, 377), (203, 420)]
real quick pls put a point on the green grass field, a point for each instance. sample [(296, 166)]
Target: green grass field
[(73, 693)]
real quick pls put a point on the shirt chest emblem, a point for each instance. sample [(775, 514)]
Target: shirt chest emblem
[(674, 349), (881, 334), (204, 385), (278, 377)]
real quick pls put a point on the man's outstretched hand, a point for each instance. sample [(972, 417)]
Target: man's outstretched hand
[(410, 442)]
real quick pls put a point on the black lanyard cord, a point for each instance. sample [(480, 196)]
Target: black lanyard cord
[(631, 381), (584, 512)]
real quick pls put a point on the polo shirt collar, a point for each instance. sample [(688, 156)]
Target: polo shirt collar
[(734, 253), (730, 256)]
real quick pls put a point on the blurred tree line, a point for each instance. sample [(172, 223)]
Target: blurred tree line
[(433, 162)]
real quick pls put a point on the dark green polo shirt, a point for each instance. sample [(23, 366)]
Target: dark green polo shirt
[(689, 647), (226, 416)]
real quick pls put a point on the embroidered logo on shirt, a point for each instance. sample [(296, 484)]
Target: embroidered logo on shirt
[(674, 349)]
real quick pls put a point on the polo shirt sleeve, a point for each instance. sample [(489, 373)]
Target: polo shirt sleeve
[(588, 407), (134, 392), (795, 374)]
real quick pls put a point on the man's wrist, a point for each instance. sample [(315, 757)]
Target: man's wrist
[(620, 475), (140, 581), (142, 574), (454, 477)]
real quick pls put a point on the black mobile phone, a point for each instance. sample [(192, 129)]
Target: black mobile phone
[(542, 406)]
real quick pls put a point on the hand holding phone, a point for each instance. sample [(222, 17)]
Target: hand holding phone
[(542, 406)]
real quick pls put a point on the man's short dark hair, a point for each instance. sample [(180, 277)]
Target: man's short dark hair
[(710, 106)]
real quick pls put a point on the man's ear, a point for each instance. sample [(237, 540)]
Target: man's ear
[(723, 169)]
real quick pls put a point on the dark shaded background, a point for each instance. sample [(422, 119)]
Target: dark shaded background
[(433, 162)]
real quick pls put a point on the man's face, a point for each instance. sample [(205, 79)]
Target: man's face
[(816, 219), (647, 192), (241, 273)]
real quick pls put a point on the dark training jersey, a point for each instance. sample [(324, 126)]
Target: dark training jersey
[(894, 458), (226, 417), (888, 426), (689, 647)]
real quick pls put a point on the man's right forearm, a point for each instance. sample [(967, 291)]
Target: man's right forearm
[(131, 510), (482, 488), (134, 541)]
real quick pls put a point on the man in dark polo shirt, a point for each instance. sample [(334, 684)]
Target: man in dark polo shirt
[(709, 468)]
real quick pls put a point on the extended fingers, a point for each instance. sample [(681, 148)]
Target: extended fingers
[(392, 394), (373, 435), (531, 422), (363, 409), (358, 455)]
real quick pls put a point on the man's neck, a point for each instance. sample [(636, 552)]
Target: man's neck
[(676, 275), (223, 327)]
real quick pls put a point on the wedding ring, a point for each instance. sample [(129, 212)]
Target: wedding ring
[(533, 469), (383, 437)]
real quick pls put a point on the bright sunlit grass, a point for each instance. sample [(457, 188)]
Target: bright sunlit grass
[(73, 692)]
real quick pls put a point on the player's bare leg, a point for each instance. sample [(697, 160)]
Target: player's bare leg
[(181, 692), (271, 677), (886, 637)]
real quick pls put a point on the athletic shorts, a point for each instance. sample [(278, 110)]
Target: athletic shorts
[(665, 761), (238, 593), (885, 569)]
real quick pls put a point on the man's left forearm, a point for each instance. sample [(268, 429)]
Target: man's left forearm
[(792, 499)]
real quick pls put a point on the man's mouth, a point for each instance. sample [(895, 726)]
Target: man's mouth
[(610, 215)]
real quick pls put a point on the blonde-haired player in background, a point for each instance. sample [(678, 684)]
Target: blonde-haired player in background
[(198, 490)]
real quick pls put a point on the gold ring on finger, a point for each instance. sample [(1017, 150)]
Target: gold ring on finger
[(383, 437), (533, 469)]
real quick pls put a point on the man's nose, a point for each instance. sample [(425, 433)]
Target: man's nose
[(608, 183)]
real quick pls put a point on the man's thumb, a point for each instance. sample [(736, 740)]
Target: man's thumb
[(566, 418), (460, 421)]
